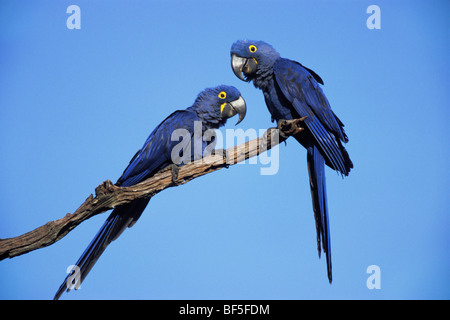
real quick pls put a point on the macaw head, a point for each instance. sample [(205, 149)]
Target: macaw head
[(249, 57), (216, 105)]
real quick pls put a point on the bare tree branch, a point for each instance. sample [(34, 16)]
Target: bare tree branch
[(108, 196)]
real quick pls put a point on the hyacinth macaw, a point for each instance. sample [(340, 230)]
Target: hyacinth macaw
[(212, 108), (292, 91)]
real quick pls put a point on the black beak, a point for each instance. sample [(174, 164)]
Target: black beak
[(237, 64), (243, 66), (237, 106)]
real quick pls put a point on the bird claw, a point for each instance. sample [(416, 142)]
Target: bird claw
[(218, 152), (223, 154), (269, 135), (175, 169), (290, 127), (270, 132)]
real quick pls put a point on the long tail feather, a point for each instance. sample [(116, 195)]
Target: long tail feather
[(119, 219), (316, 168)]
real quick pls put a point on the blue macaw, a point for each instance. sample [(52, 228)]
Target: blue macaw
[(211, 109), (292, 91)]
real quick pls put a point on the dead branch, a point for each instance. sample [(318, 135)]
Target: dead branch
[(108, 196)]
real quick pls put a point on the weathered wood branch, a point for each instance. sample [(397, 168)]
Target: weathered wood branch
[(108, 196)]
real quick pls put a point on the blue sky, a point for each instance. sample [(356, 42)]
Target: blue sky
[(75, 105)]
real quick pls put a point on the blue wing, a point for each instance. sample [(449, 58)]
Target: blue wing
[(156, 152), (300, 86), (154, 155), (301, 89)]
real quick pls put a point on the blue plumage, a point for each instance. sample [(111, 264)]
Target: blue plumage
[(292, 91), (210, 110)]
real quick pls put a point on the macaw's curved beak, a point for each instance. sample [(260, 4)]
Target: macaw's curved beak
[(238, 106), (243, 66)]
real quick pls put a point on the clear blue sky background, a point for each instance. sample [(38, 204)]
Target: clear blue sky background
[(75, 105)]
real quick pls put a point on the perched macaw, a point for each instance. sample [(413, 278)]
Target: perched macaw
[(292, 91), (211, 109)]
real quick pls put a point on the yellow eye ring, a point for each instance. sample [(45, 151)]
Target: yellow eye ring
[(252, 48), (222, 95)]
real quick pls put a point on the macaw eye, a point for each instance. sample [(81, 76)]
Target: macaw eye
[(222, 95), (252, 48)]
